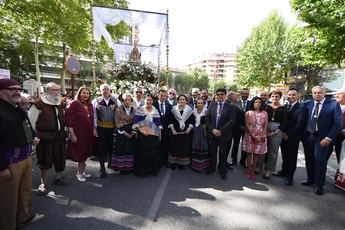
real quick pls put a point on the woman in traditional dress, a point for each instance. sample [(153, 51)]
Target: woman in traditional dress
[(277, 118), (200, 157), (254, 139), (124, 137), (181, 126), (147, 123), (79, 121)]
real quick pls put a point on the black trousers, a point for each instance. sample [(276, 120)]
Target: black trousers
[(104, 144), (289, 150), (164, 146), (236, 142), (214, 143), (337, 147)]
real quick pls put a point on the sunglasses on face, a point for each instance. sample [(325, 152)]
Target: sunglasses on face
[(138, 92)]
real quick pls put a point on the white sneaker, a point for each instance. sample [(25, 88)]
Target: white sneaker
[(42, 190), (80, 177), (86, 175)]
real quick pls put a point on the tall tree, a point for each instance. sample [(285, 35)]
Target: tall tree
[(261, 59), (51, 26), (325, 24)]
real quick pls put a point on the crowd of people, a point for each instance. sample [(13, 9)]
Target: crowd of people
[(138, 133)]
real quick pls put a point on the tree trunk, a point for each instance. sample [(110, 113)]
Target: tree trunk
[(37, 62), (63, 73)]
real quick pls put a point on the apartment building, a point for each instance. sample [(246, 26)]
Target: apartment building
[(217, 66)]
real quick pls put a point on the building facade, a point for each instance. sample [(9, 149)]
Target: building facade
[(218, 66)]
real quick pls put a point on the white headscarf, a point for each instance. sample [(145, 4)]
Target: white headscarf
[(199, 115), (187, 111)]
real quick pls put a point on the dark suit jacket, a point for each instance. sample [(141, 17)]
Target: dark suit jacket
[(226, 120), (240, 105), (191, 103), (329, 121), (296, 121), (165, 119)]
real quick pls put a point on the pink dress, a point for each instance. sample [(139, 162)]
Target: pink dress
[(256, 125)]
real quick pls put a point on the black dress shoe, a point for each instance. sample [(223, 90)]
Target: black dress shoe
[(307, 183), (209, 171), (318, 190), (266, 177), (32, 219), (289, 182), (228, 166), (223, 176), (103, 175), (280, 173)]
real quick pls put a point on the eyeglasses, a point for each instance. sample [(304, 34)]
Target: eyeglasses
[(171, 93), (14, 90)]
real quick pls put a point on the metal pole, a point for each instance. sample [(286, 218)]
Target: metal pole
[(72, 84), (167, 40), (93, 53)]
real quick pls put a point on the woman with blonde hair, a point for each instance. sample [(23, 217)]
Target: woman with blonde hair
[(79, 121)]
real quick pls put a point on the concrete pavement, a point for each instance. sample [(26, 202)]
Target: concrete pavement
[(184, 199)]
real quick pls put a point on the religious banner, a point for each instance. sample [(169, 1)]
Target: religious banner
[(151, 32)]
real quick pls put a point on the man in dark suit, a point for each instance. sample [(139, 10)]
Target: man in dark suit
[(340, 98), (164, 109), (219, 123), (204, 97), (292, 133), (237, 128), (324, 123), (194, 97), (244, 104)]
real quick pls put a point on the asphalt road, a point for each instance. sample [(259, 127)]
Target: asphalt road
[(184, 199)]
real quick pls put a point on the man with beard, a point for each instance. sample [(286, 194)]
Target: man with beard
[(204, 97), (47, 119), (15, 159), (104, 108), (194, 98)]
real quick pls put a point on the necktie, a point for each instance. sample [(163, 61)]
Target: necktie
[(313, 120), (244, 106), (220, 109), (162, 109)]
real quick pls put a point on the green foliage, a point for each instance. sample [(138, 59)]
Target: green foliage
[(184, 82), (53, 23), (261, 59), (223, 84), (325, 25)]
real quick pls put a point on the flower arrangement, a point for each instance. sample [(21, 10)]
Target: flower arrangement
[(126, 76), (131, 71)]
